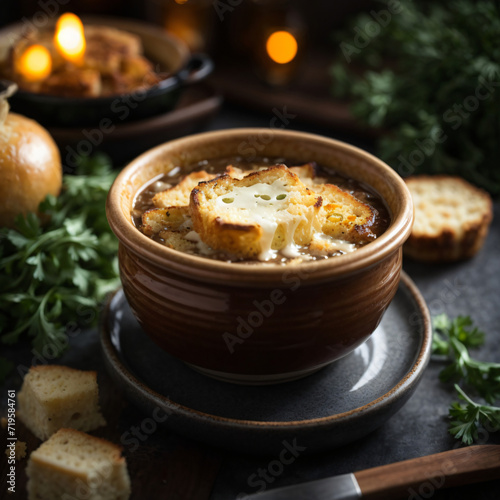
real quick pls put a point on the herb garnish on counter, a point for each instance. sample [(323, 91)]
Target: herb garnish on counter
[(57, 267), (453, 339), (431, 81)]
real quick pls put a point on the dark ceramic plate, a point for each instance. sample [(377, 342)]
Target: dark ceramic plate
[(339, 404)]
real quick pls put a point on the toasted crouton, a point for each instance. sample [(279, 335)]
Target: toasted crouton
[(172, 225), (265, 211), (306, 173), (178, 195), (161, 219), (343, 216), (179, 240)]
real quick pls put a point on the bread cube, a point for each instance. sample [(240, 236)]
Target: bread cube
[(53, 396), (72, 464)]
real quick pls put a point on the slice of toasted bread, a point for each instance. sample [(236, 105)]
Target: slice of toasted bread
[(178, 195), (235, 172), (308, 173), (251, 217), (343, 216), (452, 218)]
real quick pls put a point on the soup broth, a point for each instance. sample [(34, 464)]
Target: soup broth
[(144, 204)]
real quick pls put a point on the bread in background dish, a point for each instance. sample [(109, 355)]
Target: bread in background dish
[(54, 396), (72, 464), (452, 218)]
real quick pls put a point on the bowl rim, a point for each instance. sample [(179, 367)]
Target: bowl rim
[(242, 274), (125, 24)]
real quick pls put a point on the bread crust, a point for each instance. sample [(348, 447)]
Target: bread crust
[(178, 195), (460, 238), (345, 217), (312, 205), (239, 234), (71, 464)]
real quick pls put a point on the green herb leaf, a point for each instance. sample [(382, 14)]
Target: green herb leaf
[(56, 273), (451, 339), (465, 419), (429, 80)]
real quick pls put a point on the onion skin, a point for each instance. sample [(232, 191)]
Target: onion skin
[(30, 167)]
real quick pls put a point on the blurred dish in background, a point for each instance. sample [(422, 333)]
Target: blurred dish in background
[(168, 54), (124, 141)]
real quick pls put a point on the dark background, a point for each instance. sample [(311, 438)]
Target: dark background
[(420, 428)]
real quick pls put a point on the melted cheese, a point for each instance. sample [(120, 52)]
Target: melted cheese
[(265, 205), (203, 248), (327, 244)]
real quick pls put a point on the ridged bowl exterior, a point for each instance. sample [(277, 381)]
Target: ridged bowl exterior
[(258, 320), (243, 330)]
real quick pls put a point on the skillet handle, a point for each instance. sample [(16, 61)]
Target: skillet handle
[(197, 68)]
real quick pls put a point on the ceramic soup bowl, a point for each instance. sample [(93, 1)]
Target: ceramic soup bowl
[(259, 323)]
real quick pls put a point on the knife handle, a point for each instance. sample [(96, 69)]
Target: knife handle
[(420, 477)]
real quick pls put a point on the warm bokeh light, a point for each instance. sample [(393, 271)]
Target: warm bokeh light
[(281, 47), (35, 63), (69, 37)]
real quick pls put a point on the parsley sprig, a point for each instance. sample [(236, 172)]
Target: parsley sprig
[(57, 267), (453, 339), (465, 418), (421, 71)]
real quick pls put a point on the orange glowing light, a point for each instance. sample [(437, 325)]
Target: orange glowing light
[(281, 47), (69, 37), (35, 63)]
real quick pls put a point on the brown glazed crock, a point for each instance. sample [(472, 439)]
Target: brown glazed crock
[(259, 323)]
